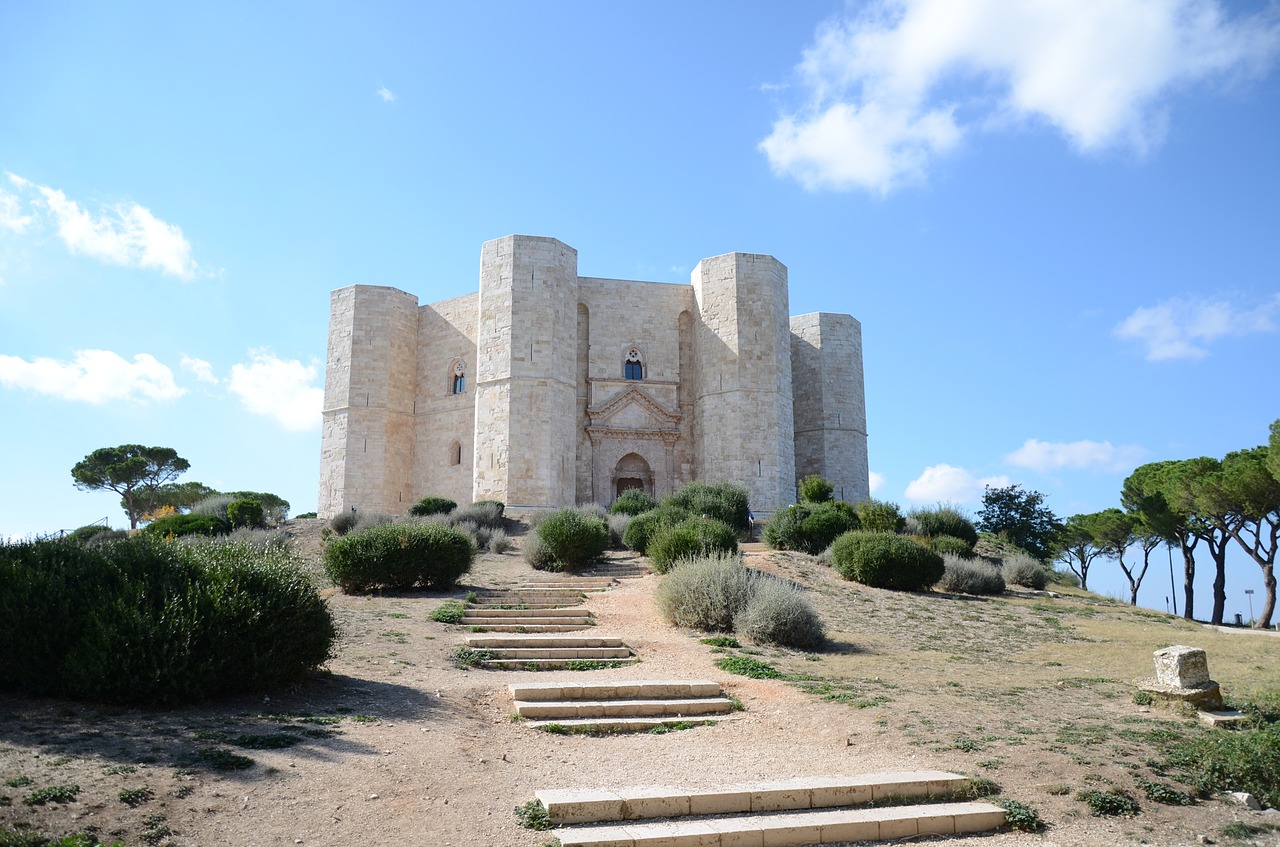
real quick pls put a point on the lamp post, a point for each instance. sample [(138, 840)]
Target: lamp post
[(1249, 593)]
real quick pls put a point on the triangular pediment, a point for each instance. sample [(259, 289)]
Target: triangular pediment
[(633, 409)]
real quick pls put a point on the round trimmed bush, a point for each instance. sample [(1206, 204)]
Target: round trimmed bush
[(722, 501), (246, 512), (815, 489), (879, 516), (945, 520), (537, 555), (809, 527), (1024, 570), (886, 560), (141, 621), (949, 544), (573, 538), (780, 613), (688, 539), (633, 502), (399, 556), (432, 505), (176, 526), (969, 576), (706, 593), (643, 526)]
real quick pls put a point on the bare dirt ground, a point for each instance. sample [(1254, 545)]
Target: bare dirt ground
[(393, 745)]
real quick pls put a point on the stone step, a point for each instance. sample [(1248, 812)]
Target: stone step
[(470, 618), (622, 689), (795, 828), (568, 582), (566, 612), (561, 653), (480, 606), (555, 710), (566, 807), (529, 627), (495, 642), (553, 664), (618, 725)]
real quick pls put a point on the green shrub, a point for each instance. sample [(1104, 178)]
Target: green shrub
[(809, 527), (84, 534), (632, 502), (176, 526), (538, 555), (706, 594), (1113, 802), (643, 526), (618, 524), (306, 516), (274, 507), (1247, 760), (969, 576), (879, 516), (1159, 792), (1021, 569), (399, 556), (245, 513), (949, 544), (945, 520), (145, 622), (688, 539), (344, 522), (573, 538), (886, 560), (432, 505), (450, 611), (780, 613), (722, 501), (749, 667), (1020, 816), (815, 489)]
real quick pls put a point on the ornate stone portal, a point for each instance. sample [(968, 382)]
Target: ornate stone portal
[(633, 439)]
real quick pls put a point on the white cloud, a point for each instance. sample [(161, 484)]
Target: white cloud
[(906, 80), (1100, 455), (202, 370), (11, 217), (387, 95), (95, 376), (949, 484), (281, 389), (124, 234), (876, 480), (1183, 329)]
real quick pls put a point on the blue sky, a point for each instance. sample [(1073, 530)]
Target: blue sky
[(1057, 223)]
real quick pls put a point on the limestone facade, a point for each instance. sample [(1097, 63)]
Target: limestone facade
[(544, 388)]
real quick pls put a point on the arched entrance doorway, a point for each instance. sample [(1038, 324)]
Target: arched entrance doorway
[(632, 471)]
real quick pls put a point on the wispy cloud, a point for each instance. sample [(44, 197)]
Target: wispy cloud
[(950, 484), (281, 389), (1075, 455), (11, 217), (904, 81), (876, 481), (202, 370), (94, 376), (125, 234), (1184, 328), (387, 95)]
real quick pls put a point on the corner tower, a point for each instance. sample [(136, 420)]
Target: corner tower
[(742, 351), (366, 453), (526, 373)]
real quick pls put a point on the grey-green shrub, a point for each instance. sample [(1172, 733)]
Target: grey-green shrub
[(479, 535), (642, 527), (1024, 570), (809, 527), (706, 593), (399, 556), (148, 622), (886, 560), (573, 538), (344, 522), (537, 554), (688, 539), (594, 510), (969, 576), (432, 505), (723, 501), (949, 544), (633, 502), (498, 541), (618, 523), (484, 514), (944, 519), (214, 504), (780, 613), (879, 516)]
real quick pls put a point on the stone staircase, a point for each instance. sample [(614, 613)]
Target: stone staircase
[(809, 810), (618, 706), (565, 619), (547, 652), (543, 605), (630, 569)]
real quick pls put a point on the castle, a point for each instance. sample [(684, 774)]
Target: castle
[(545, 389)]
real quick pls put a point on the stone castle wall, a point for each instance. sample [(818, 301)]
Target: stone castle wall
[(732, 387)]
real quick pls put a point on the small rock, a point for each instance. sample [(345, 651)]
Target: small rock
[(297, 841), (484, 761), (1204, 839), (373, 796), (1244, 798), (1271, 813)]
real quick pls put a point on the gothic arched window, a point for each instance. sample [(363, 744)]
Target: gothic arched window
[(633, 367), (455, 453), (459, 382)]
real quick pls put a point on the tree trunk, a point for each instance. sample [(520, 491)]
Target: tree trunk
[(1219, 554), (1269, 604), (1188, 576)]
